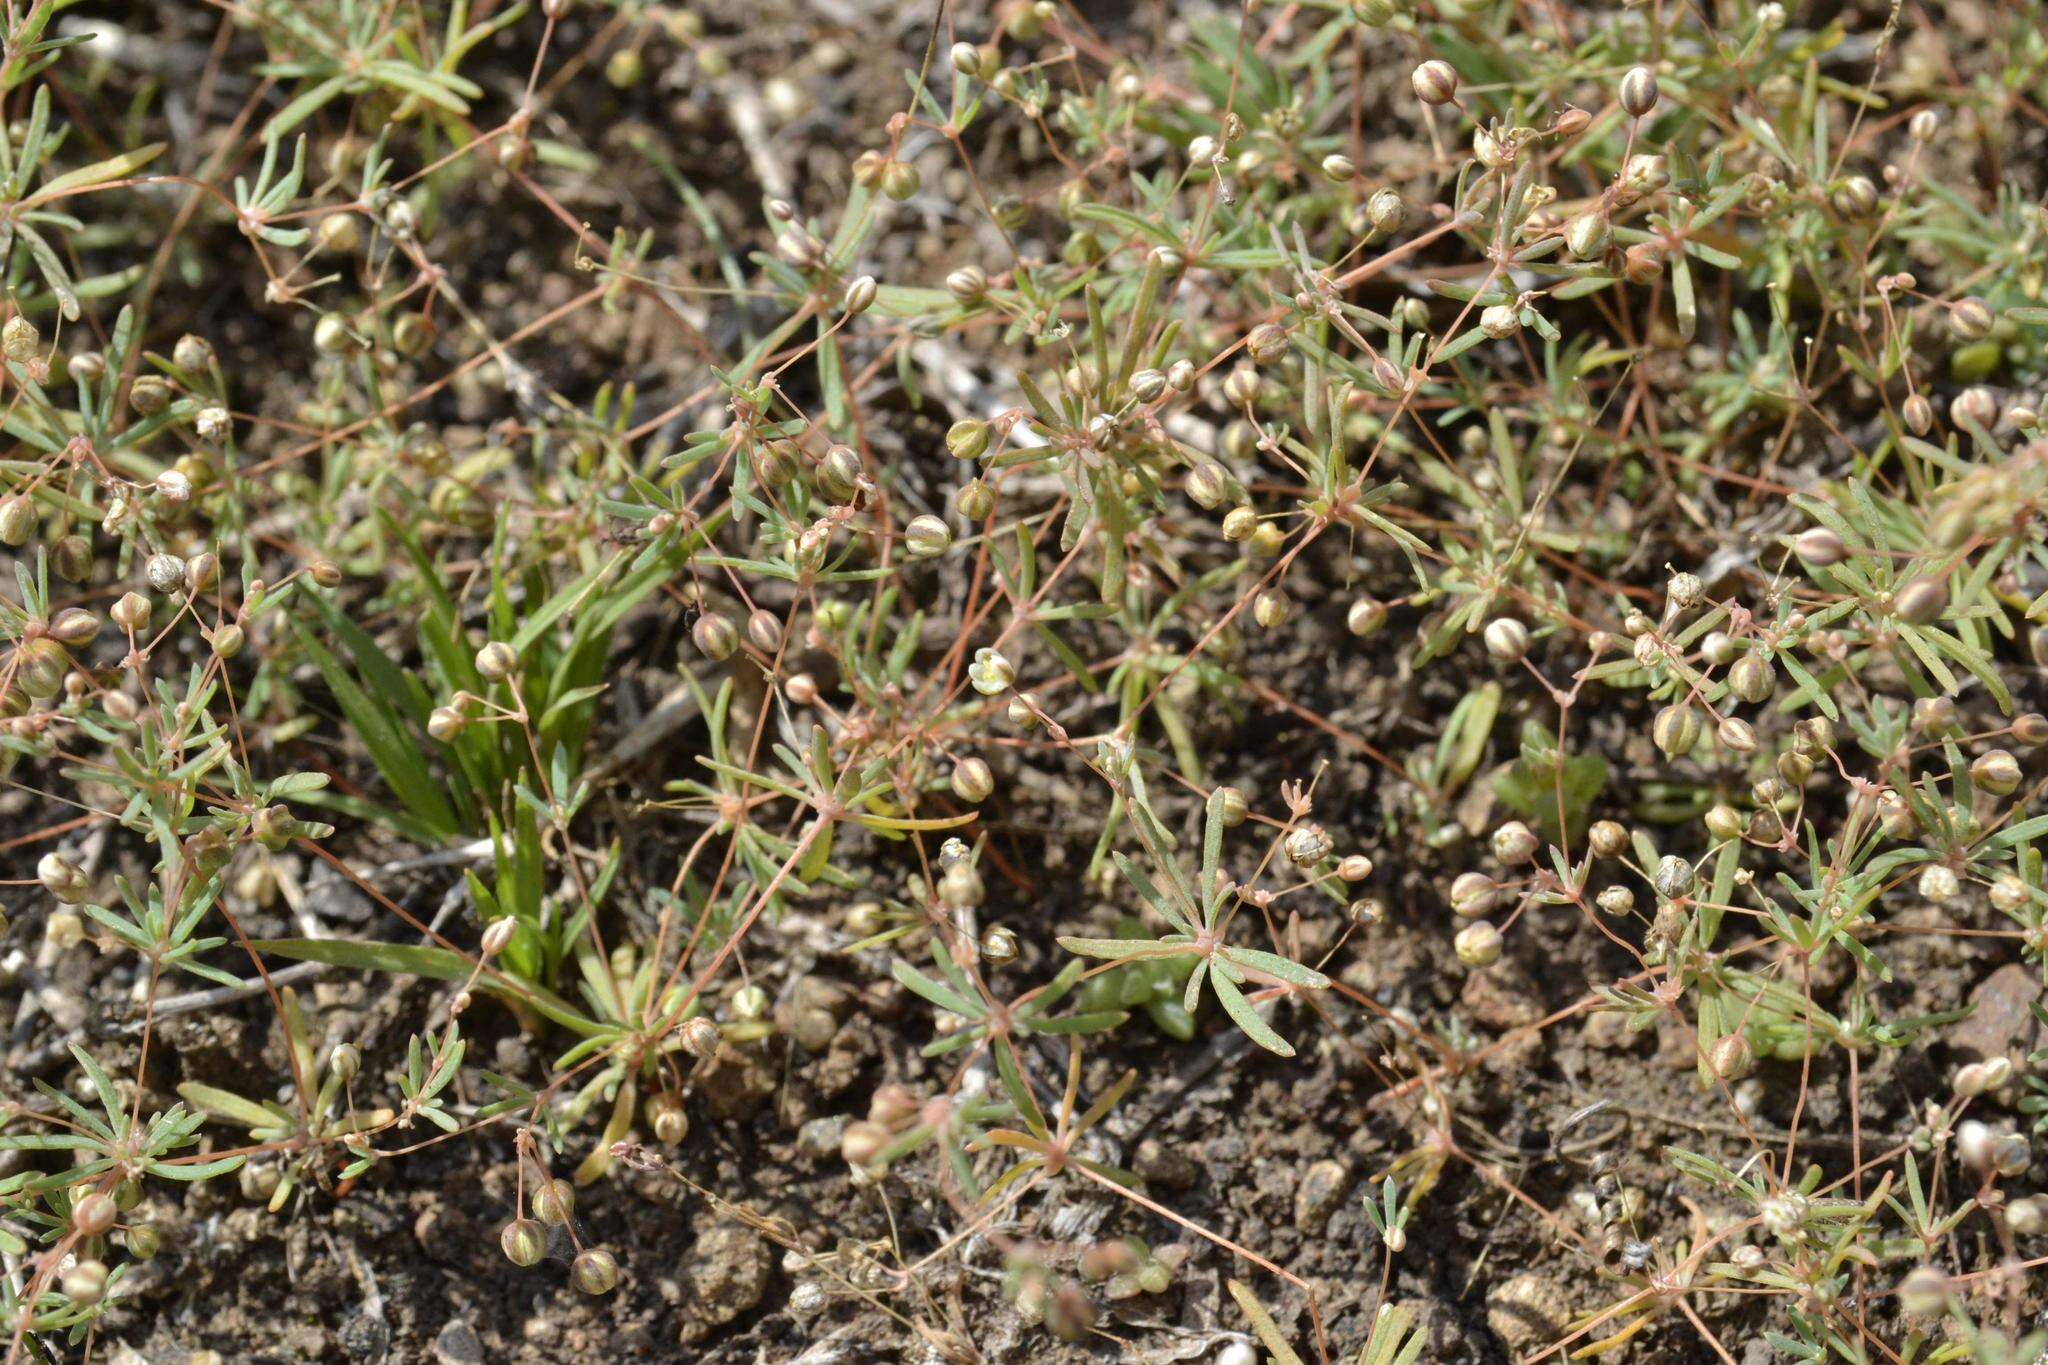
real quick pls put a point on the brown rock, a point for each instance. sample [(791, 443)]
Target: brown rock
[(1321, 1189), (2001, 1022), (1527, 1312)]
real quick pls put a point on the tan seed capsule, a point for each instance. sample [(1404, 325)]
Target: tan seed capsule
[(1676, 730), (1507, 639), (1731, 1057), (972, 781), (1434, 82), (1970, 318), (1608, 839), (715, 636), (523, 1241), (1818, 545), (967, 284), (927, 536), (1638, 91), (1737, 736), (1478, 945), (131, 612), (998, 946), (596, 1271), (1365, 616), (1921, 601), (967, 439), (1918, 414), (1474, 894), (700, 1037), (1996, 771), (554, 1201), (94, 1213), (496, 661), (17, 520)]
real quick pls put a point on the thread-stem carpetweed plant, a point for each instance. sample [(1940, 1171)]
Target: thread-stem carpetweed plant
[(596, 586)]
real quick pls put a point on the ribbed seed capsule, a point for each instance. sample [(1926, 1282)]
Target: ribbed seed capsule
[(967, 439), (1921, 601), (1639, 91), (596, 1271), (1507, 639), (927, 537), (554, 1201), (1731, 1057), (1752, 679), (715, 636), (1970, 318), (1478, 945), (523, 1241), (1365, 616), (1676, 729), (1434, 82), (17, 520), (1996, 771), (972, 781), (1818, 545)]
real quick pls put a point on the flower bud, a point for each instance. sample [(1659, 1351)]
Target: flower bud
[(860, 295), (554, 1201)]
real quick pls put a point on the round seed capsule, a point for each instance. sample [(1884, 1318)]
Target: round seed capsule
[(1365, 616), (1434, 82), (1921, 601), (523, 1241), (596, 1271), (972, 780), (1478, 944), (1639, 91), (1507, 639), (927, 536), (554, 1201)]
